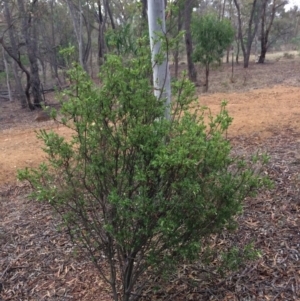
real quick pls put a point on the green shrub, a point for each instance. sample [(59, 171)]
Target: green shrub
[(211, 37), (132, 187)]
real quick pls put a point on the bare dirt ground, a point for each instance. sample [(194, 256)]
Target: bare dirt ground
[(37, 261)]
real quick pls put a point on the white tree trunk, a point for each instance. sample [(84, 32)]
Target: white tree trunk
[(76, 15), (161, 73)]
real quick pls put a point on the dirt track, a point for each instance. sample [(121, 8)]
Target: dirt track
[(258, 113)]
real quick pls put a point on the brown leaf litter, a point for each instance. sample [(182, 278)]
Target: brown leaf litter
[(38, 261)]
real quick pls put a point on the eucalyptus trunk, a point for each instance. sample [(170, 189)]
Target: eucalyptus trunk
[(265, 29), (7, 75), (101, 31), (251, 29), (76, 15), (161, 73), (188, 10), (30, 34), (19, 88)]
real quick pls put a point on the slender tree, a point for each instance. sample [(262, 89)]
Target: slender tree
[(7, 75), (14, 50), (161, 74), (268, 12), (212, 37), (101, 19), (251, 30), (188, 11), (30, 34)]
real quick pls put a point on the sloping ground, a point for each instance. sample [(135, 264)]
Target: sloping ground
[(38, 262)]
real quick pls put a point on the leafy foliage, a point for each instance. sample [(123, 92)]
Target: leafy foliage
[(132, 187), (211, 37)]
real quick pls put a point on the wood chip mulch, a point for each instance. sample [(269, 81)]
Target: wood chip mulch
[(38, 261)]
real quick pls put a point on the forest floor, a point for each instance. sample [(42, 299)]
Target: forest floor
[(37, 261)]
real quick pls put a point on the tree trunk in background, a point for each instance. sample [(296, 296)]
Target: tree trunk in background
[(206, 77), (7, 75), (188, 10), (87, 48), (19, 87), (237, 52), (161, 73), (32, 50), (251, 29), (101, 40), (179, 28), (263, 40), (20, 64), (144, 18), (76, 15), (263, 52), (144, 9), (228, 54), (29, 31), (53, 60), (108, 11), (265, 32), (223, 10)]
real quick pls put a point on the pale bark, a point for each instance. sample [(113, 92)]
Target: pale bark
[(7, 75), (19, 88), (76, 15), (161, 73), (79, 20)]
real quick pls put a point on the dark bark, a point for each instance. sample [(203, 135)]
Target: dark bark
[(237, 52), (232, 66), (53, 60), (18, 61), (144, 18), (206, 76), (188, 10), (32, 51), (227, 54), (263, 53), (87, 49), (101, 40), (35, 78), (29, 31), (265, 30), (108, 10), (263, 37), (144, 10), (251, 29), (176, 51), (28, 82)]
